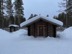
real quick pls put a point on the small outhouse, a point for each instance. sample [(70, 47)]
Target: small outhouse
[(40, 26), (13, 27)]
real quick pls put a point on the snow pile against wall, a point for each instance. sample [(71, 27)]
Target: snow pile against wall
[(67, 33)]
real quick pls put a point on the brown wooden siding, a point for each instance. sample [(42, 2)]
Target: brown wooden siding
[(48, 28)]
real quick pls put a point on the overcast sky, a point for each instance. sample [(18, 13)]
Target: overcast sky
[(42, 7)]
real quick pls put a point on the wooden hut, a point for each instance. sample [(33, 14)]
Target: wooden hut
[(13, 27), (41, 26)]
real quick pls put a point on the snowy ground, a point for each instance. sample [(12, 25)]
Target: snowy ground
[(19, 43)]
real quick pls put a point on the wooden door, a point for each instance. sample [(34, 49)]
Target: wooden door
[(41, 30)]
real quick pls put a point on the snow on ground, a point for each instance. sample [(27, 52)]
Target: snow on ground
[(4, 34), (19, 43), (67, 33)]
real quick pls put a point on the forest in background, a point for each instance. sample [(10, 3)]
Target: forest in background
[(11, 12)]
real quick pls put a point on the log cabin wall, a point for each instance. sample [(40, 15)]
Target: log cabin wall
[(48, 29), (31, 29), (41, 24)]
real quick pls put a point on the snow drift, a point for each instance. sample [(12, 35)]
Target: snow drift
[(67, 33), (4, 34), (19, 43)]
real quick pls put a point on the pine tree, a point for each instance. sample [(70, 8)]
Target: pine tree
[(19, 11), (68, 12), (47, 16), (9, 11), (1, 14), (31, 16), (67, 4), (63, 17), (35, 15)]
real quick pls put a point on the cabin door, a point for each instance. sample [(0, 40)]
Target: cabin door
[(41, 30)]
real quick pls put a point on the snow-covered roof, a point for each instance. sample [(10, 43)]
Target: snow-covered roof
[(13, 25), (52, 20)]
